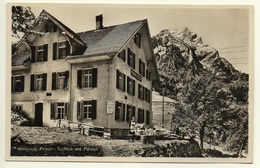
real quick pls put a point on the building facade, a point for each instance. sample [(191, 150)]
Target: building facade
[(102, 77)]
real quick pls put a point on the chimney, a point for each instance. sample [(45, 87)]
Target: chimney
[(99, 22)]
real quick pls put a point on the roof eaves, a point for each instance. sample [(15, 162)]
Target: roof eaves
[(90, 55)]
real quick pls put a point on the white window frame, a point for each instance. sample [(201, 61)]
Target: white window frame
[(60, 80), (61, 46), (87, 109), (38, 78), (87, 78), (60, 110), (39, 53)]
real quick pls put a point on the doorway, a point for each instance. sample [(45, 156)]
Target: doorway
[(38, 114)]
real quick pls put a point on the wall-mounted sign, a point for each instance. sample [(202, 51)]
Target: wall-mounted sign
[(136, 75), (110, 106)]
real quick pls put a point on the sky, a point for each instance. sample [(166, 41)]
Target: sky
[(224, 28)]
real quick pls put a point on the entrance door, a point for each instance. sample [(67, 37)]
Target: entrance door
[(38, 114)]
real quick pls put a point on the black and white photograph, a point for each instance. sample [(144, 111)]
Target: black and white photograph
[(129, 83)]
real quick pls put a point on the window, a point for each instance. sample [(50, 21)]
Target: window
[(147, 95), (130, 112), (39, 53), (120, 80), (50, 27), (141, 67), (18, 108), (87, 78), (59, 110), (131, 59), (130, 86), (60, 80), (137, 39), (140, 92), (148, 118), (18, 84), (120, 111), (87, 109), (38, 82), (61, 50), (140, 118), (122, 55), (148, 75)]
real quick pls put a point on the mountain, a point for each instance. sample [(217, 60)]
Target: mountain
[(211, 95)]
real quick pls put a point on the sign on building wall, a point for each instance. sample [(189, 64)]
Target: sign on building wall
[(110, 106)]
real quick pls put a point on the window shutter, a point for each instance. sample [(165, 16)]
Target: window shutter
[(128, 112), (149, 96), (54, 51), (94, 109), (117, 79), (148, 117), (128, 85), (94, 77), (123, 82), (52, 113), (66, 78), (128, 56), (32, 83), (133, 60), (53, 87), (139, 91), (116, 111), (133, 87), (144, 70), (140, 66), (133, 111), (123, 119), (66, 110), (44, 80), (56, 110), (123, 55), (45, 52), (12, 84), (32, 54), (67, 48), (79, 110), (79, 79), (22, 84)]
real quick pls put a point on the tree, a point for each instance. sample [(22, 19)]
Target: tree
[(22, 21), (199, 106)]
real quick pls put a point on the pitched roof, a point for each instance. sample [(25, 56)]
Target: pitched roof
[(64, 27), (20, 58), (108, 40)]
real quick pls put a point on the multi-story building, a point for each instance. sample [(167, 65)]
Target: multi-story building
[(101, 77)]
